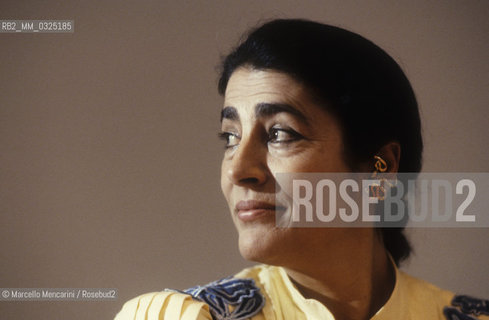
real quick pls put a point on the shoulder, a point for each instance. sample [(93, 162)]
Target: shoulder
[(448, 305), (232, 298), (164, 305)]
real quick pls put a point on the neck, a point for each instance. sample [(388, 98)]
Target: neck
[(354, 284)]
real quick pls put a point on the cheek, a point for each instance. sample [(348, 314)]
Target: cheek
[(322, 156), (225, 183), (309, 161), (314, 161)]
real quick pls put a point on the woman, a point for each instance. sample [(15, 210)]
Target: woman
[(300, 96)]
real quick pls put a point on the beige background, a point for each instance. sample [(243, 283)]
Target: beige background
[(109, 161)]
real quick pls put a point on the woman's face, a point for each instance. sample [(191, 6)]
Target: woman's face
[(271, 124)]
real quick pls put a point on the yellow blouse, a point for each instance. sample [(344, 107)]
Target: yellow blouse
[(411, 299)]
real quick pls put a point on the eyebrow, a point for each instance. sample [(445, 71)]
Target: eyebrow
[(269, 109), (263, 110), (229, 113)]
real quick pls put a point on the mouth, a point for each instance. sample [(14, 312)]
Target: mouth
[(251, 210)]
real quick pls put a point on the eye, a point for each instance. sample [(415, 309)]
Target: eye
[(230, 138), (280, 135)]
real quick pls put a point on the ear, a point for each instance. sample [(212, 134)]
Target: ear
[(391, 153)]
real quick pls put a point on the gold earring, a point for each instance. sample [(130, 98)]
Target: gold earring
[(378, 190), (380, 165)]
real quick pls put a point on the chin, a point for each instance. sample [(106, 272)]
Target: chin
[(260, 245)]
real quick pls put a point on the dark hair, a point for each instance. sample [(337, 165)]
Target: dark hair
[(355, 80)]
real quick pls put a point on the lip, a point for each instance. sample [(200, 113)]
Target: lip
[(250, 210)]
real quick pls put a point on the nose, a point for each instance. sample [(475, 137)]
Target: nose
[(248, 165)]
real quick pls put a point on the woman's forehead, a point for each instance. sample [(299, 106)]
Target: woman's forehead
[(248, 87)]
